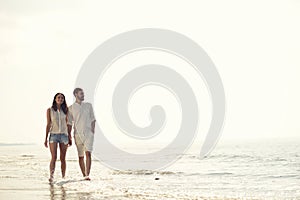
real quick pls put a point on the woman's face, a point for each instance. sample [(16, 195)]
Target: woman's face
[(59, 99)]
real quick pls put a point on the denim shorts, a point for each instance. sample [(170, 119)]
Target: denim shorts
[(59, 138)]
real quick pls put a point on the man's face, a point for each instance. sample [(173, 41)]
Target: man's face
[(80, 95)]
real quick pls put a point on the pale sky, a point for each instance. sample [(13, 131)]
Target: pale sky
[(255, 46)]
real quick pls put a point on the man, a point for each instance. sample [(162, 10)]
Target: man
[(81, 115)]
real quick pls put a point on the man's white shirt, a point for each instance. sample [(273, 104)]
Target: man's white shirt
[(81, 116)]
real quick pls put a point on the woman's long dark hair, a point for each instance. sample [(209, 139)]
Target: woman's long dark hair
[(63, 106)]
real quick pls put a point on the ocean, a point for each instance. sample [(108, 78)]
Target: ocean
[(265, 169)]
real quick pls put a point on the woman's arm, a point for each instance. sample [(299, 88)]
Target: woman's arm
[(47, 127), (69, 131)]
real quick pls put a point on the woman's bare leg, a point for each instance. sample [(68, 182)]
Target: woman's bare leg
[(53, 150), (63, 150)]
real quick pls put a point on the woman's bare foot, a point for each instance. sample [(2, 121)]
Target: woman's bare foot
[(87, 178), (51, 179)]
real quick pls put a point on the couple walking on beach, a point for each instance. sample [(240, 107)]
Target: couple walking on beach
[(60, 119)]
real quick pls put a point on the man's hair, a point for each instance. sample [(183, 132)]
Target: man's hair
[(76, 90)]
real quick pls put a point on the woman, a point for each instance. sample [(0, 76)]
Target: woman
[(57, 127)]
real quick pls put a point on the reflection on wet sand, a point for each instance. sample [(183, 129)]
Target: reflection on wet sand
[(57, 192)]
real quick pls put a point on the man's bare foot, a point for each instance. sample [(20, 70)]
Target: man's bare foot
[(87, 178)]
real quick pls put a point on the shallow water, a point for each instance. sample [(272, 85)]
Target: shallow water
[(241, 170)]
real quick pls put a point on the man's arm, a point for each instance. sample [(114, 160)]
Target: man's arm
[(93, 120), (69, 134), (93, 126), (69, 125)]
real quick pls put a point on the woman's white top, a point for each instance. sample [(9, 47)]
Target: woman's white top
[(58, 122)]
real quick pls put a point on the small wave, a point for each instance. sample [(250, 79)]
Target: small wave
[(219, 173), (16, 144), (7, 177), (228, 156), (143, 172), (283, 176), (27, 156), (152, 172), (280, 159), (72, 160)]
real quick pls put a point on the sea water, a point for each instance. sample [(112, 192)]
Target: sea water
[(265, 169)]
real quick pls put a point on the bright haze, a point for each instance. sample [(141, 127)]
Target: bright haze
[(255, 46)]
